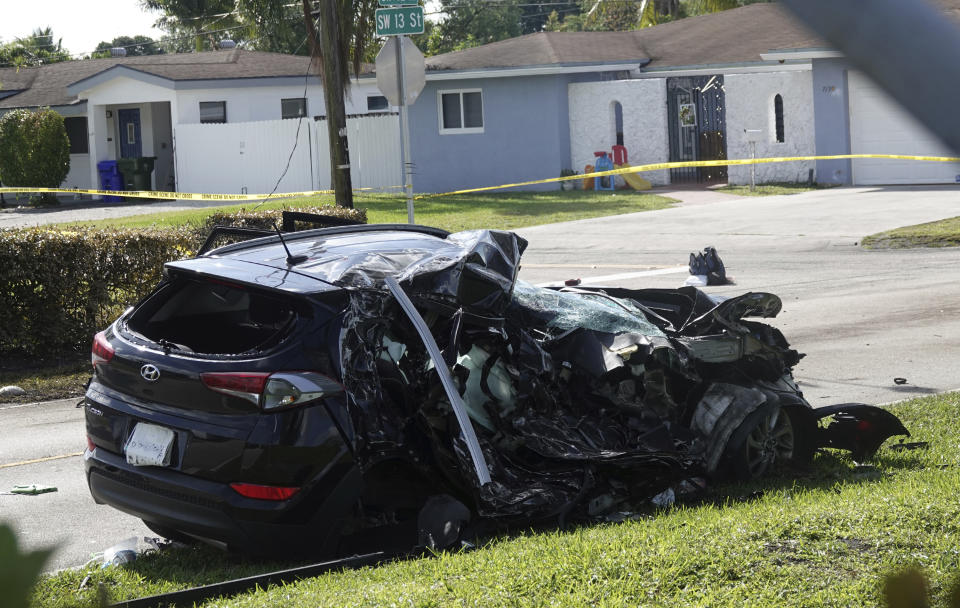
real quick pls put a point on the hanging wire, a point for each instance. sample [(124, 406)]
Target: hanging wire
[(296, 137)]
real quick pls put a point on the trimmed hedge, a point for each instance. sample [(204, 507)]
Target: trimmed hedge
[(60, 286), (265, 218)]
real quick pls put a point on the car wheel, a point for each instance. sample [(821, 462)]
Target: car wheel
[(169, 533), (766, 440)]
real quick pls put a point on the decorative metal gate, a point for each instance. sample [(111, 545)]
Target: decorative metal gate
[(696, 118)]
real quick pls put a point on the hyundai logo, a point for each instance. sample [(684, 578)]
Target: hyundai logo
[(150, 373)]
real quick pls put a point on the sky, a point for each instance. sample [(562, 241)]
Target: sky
[(82, 24)]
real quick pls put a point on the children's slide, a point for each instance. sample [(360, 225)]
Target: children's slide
[(633, 179)]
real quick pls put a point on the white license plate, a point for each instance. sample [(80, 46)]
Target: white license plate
[(149, 445)]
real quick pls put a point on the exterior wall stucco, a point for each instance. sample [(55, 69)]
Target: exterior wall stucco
[(79, 175), (249, 104), (592, 123), (831, 107), (750, 105), (525, 135)]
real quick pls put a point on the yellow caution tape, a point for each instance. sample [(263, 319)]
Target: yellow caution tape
[(693, 163), (191, 196), (156, 194)]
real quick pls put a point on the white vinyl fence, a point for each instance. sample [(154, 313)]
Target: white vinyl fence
[(249, 157)]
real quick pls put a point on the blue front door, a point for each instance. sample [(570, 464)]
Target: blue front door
[(130, 133)]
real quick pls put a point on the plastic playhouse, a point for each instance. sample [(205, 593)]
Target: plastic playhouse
[(616, 160)]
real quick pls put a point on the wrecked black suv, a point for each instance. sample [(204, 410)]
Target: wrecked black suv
[(397, 382)]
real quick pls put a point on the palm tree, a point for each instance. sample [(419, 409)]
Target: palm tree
[(36, 49)]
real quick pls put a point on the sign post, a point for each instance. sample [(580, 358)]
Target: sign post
[(405, 160), (399, 22)]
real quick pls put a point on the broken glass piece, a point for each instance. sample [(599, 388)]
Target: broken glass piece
[(568, 311)]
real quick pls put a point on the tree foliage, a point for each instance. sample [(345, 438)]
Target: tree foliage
[(617, 15), (135, 45), (39, 48), (470, 23), (203, 20), (34, 150), (264, 25)]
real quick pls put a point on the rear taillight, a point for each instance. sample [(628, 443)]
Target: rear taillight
[(246, 385), (252, 490), (101, 352), (273, 391), (91, 446), (294, 388)]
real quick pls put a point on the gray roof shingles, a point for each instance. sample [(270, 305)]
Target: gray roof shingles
[(734, 36), (47, 85)]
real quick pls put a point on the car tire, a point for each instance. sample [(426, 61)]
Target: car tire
[(170, 533), (768, 439)]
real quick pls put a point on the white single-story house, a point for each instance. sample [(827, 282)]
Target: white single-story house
[(728, 85), (125, 107)]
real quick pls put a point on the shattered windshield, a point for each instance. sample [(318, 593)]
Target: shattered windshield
[(571, 310)]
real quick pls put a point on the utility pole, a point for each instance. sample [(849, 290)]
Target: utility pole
[(328, 50)]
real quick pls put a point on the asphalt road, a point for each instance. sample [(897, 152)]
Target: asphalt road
[(862, 317), (41, 445)]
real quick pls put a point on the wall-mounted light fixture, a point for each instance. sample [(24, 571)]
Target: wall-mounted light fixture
[(109, 113)]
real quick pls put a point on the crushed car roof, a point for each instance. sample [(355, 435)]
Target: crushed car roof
[(362, 256)]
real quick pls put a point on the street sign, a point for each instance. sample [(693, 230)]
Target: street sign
[(399, 21), (413, 66), (398, 2)]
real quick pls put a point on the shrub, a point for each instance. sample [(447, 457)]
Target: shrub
[(34, 150), (12, 145), (265, 218), (60, 286)]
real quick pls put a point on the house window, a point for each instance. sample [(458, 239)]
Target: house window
[(294, 107), (461, 111), (778, 117), (77, 134), (213, 111), (377, 103)]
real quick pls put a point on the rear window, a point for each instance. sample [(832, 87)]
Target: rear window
[(197, 316)]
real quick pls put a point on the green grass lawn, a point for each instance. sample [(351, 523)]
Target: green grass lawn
[(48, 382), (500, 210), (943, 233), (771, 189), (827, 538)]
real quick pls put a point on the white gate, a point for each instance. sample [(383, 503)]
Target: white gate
[(249, 157)]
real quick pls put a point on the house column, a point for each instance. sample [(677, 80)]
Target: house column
[(100, 147)]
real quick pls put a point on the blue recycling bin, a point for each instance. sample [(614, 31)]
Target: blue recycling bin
[(110, 179)]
